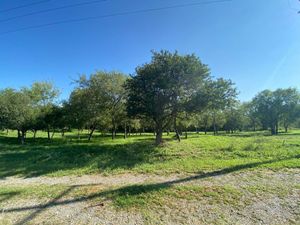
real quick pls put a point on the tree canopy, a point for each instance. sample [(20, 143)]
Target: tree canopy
[(172, 92)]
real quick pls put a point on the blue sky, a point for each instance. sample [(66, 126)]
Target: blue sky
[(253, 42)]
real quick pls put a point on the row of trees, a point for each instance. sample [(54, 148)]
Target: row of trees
[(170, 93)]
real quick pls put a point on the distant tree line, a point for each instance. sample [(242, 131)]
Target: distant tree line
[(172, 92)]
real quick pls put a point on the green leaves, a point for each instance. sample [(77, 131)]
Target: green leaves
[(273, 106), (99, 100), (165, 87)]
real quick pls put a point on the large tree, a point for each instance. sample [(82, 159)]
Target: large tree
[(162, 89)]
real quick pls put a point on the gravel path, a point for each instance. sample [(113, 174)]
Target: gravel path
[(267, 209)]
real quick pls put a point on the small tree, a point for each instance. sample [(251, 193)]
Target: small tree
[(273, 106), (103, 96), (43, 96), (19, 111), (234, 119), (222, 95)]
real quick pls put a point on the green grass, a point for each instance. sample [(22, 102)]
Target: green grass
[(138, 154), (205, 156), (144, 196), (37, 191), (135, 196)]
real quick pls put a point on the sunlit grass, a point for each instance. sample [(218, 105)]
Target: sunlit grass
[(137, 154)]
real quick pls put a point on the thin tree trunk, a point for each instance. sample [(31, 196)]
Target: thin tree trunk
[(23, 137), (125, 130), (52, 134), (113, 128), (34, 134), (214, 123), (113, 134), (91, 133), (48, 132), (19, 135), (186, 134)]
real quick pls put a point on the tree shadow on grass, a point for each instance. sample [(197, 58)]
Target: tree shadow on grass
[(44, 158), (8, 195), (258, 134), (246, 134), (130, 191)]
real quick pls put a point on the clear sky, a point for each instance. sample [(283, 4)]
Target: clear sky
[(256, 43)]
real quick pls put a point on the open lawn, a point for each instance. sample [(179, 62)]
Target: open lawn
[(138, 154), (241, 178)]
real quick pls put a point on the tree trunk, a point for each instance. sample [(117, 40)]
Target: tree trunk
[(286, 128), (34, 134), (19, 135), (114, 134), (52, 134), (273, 129), (91, 133), (186, 134), (214, 124), (125, 131), (23, 137), (158, 137), (48, 132), (176, 131)]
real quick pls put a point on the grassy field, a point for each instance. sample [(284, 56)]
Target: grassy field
[(167, 184), (137, 154)]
